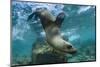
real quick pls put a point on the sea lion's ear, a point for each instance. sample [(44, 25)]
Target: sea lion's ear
[(59, 19)]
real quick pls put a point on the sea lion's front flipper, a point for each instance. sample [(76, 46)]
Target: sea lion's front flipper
[(60, 18)]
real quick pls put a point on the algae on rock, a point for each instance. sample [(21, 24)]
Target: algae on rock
[(45, 54)]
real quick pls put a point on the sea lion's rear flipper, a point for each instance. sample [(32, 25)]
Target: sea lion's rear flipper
[(60, 18), (36, 14), (30, 16)]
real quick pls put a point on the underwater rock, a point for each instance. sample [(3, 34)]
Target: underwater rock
[(20, 60), (45, 54)]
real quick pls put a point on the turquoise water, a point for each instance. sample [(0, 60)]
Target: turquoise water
[(78, 27)]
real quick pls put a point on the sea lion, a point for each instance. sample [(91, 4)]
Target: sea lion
[(51, 25)]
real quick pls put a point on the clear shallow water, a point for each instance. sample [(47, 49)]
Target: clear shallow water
[(78, 27)]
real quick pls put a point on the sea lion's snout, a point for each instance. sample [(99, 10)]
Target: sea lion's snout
[(72, 50), (68, 48)]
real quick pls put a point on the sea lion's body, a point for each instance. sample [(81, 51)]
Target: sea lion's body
[(51, 25)]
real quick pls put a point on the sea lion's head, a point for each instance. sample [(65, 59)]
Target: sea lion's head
[(68, 48), (61, 45), (51, 25)]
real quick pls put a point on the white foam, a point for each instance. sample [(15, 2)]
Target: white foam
[(42, 33), (83, 9), (22, 26), (74, 37)]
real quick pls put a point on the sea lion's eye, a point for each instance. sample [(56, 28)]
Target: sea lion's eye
[(69, 46)]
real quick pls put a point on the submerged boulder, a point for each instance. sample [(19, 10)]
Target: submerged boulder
[(45, 54)]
